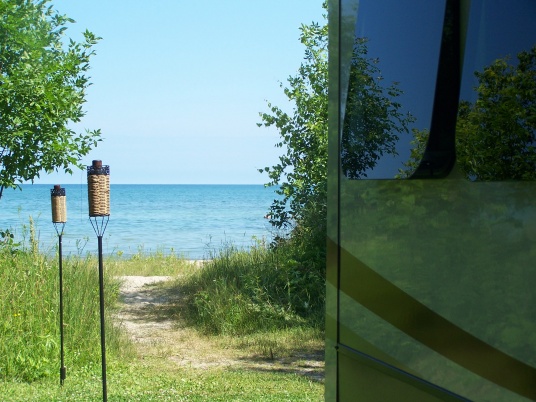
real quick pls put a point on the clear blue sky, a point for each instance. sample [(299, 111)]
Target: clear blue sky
[(178, 85)]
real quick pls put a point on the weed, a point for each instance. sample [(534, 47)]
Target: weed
[(7, 242)]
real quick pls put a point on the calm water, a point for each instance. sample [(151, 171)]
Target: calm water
[(191, 220)]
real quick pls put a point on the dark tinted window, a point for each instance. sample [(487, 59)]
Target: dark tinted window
[(390, 75), (496, 126)]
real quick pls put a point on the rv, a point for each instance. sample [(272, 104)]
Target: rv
[(431, 271)]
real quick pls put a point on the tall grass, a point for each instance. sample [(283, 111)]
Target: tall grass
[(29, 305), (263, 289)]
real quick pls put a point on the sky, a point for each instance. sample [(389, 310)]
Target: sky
[(177, 86)]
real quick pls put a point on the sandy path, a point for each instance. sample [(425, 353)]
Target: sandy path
[(147, 315), (138, 299)]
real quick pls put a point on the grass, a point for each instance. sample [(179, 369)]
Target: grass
[(147, 382), (154, 264), (263, 289), (29, 301), (281, 343), (259, 284)]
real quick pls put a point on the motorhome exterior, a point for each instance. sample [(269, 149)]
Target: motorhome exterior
[(431, 276)]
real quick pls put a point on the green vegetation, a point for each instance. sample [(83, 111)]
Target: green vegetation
[(29, 301), (300, 177), (495, 135), (268, 302), (264, 289), (149, 264), (42, 89), (147, 382), (301, 174), (295, 264), (249, 302)]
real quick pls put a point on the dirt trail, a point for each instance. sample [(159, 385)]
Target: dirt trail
[(149, 315)]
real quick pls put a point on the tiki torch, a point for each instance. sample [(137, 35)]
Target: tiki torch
[(59, 218), (98, 184)]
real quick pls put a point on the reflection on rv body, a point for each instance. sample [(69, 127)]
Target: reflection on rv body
[(432, 211)]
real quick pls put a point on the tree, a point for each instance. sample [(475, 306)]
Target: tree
[(372, 123), (43, 85), (495, 135), (301, 171), (373, 120)]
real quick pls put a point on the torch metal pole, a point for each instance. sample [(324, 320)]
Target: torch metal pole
[(102, 323), (59, 216), (63, 371)]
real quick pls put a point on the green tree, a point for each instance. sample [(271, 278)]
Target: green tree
[(300, 178), (43, 85), (373, 119), (495, 135), (301, 171), (372, 123)]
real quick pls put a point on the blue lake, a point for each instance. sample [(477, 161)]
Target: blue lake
[(190, 220)]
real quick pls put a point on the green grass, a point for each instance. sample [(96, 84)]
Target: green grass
[(252, 302), (282, 343), (263, 289), (29, 301), (154, 264), (145, 382)]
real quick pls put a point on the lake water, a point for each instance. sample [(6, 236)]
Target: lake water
[(190, 220)]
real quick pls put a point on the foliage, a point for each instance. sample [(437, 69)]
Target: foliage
[(7, 242), (371, 127), (301, 171), (496, 135), (373, 118), (292, 271), (42, 89), (29, 334), (148, 264)]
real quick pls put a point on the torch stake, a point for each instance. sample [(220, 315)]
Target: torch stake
[(103, 336), (63, 371), (99, 228)]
